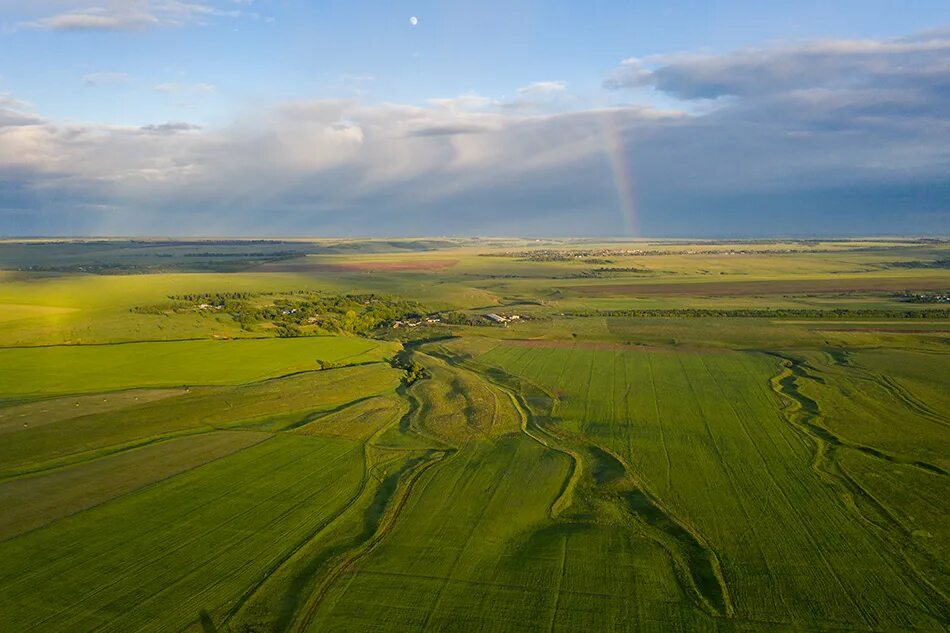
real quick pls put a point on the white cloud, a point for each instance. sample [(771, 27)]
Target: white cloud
[(131, 15), (97, 19), (464, 102), (543, 87)]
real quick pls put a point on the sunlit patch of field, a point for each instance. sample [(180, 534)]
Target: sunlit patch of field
[(42, 371), (95, 308), (457, 406), (108, 291), (359, 420), (17, 311)]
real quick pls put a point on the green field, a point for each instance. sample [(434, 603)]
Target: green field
[(43, 371), (673, 436)]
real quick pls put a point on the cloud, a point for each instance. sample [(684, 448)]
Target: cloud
[(451, 129), (132, 15), (854, 139), (830, 113), (543, 87), (630, 74), (97, 19), (465, 102), (824, 64), (6, 101), (14, 112), (170, 128), (538, 95)]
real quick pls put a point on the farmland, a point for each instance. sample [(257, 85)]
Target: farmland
[(330, 435)]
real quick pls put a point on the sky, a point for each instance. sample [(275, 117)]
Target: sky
[(682, 118)]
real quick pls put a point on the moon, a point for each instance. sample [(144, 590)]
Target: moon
[(413, 20)]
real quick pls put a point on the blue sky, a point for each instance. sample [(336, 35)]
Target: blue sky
[(655, 118)]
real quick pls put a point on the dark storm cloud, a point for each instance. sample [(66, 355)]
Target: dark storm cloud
[(916, 62)]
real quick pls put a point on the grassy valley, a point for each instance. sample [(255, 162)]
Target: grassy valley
[(474, 435)]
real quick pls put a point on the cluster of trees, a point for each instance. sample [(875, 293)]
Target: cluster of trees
[(936, 263), (351, 313), (162, 308), (216, 298), (413, 371), (599, 256), (298, 312), (462, 318), (604, 271), (94, 269), (621, 269), (235, 304), (925, 297), (256, 255)]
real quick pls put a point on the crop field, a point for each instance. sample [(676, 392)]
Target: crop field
[(83, 368), (703, 434), (492, 435)]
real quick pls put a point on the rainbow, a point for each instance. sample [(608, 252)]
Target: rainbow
[(620, 168)]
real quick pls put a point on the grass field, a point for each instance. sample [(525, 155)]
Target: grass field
[(268, 405), (770, 452), (705, 436), (82, 368)]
